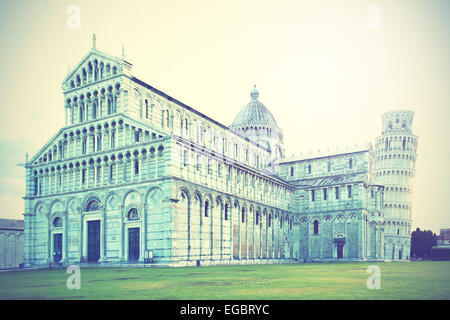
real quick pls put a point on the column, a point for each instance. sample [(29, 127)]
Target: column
[(141, 166), (65, 253), (97, 172), (144, 229), (121, 246), (103, 235)]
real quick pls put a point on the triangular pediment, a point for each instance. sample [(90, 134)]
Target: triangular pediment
[(109, 64), (49, 146)]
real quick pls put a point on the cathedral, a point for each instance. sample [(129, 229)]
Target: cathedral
[(138, 177)]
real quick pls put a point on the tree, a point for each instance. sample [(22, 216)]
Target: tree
[(422, 242)]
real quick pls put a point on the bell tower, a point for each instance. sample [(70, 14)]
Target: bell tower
[(396, 152)]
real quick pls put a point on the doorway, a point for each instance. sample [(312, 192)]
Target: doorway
[(57, 247), (340, 250), (93, 243), (133, 244)]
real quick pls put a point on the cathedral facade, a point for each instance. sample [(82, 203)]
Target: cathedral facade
[(136, 176)]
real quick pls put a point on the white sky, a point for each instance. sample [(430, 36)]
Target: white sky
[(324, 74)]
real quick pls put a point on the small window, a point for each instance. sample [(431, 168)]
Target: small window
[(93, 144), (313, 196), (133, 214), (209, 166), (84, 146), (136, 136), (336, 190), (36, 185), (99, 142), (57, 222), (226, 212), (257, 218), (349, 191), (243, 215), (292, 171), (316, 227), (324, 193), (309, 168), (206, 208), (111, 173), (113, 138), (329, 166), (185, 158), (198, 167), (350, 163), (136, 166), (92, 206)]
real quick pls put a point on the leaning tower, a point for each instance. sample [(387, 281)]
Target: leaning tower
[(396, 149)]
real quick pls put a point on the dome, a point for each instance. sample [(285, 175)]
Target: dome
[(254, 114)]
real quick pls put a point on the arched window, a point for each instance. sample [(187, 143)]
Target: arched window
[(243, 215), (136, 166), (316, 227), (257, 218), (92, 206), (138, 102), (226, 211), (94, 110), (133, 214), (110, 104), (206, 208), (81, 113), (167, 118), (57, 222)]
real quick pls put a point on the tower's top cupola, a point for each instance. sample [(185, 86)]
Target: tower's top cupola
[(398, 121)]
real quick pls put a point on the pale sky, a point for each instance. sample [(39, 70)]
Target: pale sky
[(324, 73)]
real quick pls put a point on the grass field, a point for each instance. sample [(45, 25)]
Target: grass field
[(399, 280)]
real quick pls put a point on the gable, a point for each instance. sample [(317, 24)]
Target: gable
[(49, 148), (96, 65)]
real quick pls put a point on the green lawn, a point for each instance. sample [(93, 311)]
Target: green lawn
[(399, 280)]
